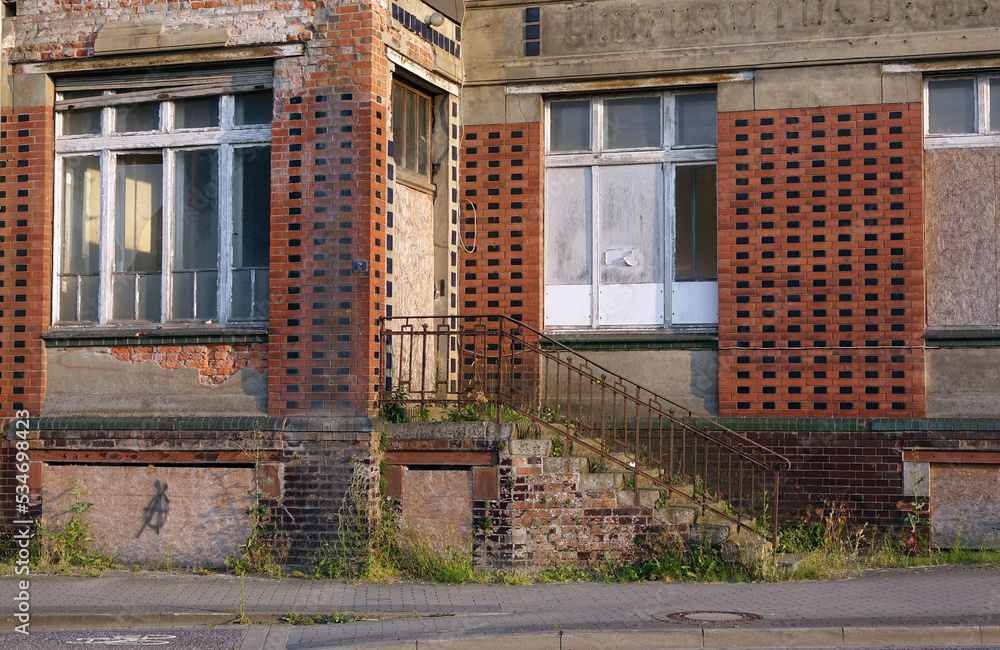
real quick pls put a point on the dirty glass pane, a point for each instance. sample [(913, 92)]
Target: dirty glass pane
[(196, 113), (569, 125), (696, 119), (423, 128), (239, 308), (81, 121), (251, 228), (260, 289), (568, 225), (138, 226), (182, 302), (630, 234), (951, 106), (632, 123), (81, 214), (410, 133), (81, 237), (994, 124), (696, 229), (253, 108), (130, 118)]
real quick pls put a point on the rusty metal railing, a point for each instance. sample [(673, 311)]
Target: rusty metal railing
[(497, 368)]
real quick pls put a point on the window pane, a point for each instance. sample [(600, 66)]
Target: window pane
[(630, 233), (253, 108), (696, 242), (81, 215), (423, 123), (952, 106), (398, 112), (196, 228), (81, 121), (251, 229), (260, 288), (84, 121), (138, 236), (80, 245), (994, 104), (569, 125), (130, 118), (410, 132), (207, 297), (240, 306), (696, 116), (197, 113), (182, 302), (631, 123)]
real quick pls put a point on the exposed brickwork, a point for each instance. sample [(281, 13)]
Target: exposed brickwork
[(857, 474), (555, 523), (25, 254), (821, 284), (327, 210), (215, 363), (502, 219), (68, 29)]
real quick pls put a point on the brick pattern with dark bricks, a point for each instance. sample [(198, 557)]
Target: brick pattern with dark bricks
[(821, 286), (501, 222), (329, 151)]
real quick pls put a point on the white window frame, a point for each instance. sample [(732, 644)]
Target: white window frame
[(669, 156), (986, 135), (167, 140)]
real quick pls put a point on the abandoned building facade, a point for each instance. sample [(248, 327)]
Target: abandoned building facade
[(781, 215)]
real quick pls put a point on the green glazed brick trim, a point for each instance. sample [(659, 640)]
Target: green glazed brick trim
[(859, 425), (248, 423), (795, 424), (634, 341), (979, 338), (90, 339)]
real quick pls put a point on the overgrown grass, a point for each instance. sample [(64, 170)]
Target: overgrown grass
[(831, 548)]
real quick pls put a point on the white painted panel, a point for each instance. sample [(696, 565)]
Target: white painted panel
[(567, 305), (695, 303), (631, 304)]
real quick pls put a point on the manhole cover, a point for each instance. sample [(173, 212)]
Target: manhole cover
[(711, 617)]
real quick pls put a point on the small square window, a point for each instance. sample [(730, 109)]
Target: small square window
[(951, 106)]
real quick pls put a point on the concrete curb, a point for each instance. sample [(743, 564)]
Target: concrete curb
[(716, 638), (270, 636), (40, 621)]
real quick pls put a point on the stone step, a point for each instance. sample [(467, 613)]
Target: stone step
[(642, 498), (530, 448), (602, 482), (674, 516), (576, 449), (718, 534), (564, 465)]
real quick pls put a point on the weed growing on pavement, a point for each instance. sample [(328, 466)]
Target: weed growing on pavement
[(319, 618)]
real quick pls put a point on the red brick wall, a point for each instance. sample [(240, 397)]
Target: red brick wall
[(501, 203), (25, 269), (25, 254), (327, 210), (821, 262), (215, 363), (855, 474)]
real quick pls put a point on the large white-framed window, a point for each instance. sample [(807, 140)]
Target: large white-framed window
[(162, 206), (630, 211), (962, 110)]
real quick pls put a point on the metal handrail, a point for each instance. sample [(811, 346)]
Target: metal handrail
[(511, 365)]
